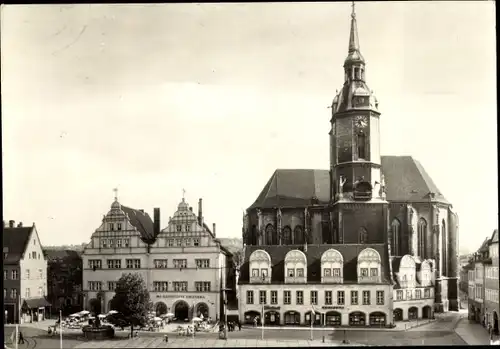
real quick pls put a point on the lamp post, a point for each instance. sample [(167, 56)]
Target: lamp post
[(225, 290)]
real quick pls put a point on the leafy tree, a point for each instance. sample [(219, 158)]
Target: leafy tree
[(131, 301)]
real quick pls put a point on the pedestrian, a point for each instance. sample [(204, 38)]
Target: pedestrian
[(239, 325), (21, 338)]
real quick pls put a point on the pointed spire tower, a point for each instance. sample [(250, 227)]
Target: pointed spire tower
[(355, 164), (354, 136)]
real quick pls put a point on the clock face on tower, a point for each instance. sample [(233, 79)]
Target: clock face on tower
[(360, 121)]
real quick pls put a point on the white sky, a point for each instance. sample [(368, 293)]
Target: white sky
[(214, 97)]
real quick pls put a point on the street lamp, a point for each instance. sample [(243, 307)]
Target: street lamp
[(225, 290)]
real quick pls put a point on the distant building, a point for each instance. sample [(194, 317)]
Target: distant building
[(64, 280), (24, 274), (476, 284), (491, 283), (183, 265), (368, 242)]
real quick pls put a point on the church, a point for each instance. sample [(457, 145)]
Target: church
[(369, 242)]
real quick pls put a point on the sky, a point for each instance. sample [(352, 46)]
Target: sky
[(212, 98)]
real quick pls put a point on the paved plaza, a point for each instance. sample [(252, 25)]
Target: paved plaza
[(447, 329), (184, 342)]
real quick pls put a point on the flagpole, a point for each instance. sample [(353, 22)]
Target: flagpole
[(262, 322), (60, 330), (18, 320)]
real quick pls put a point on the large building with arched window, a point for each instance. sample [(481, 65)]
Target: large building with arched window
[(183, 265), (369, 217)]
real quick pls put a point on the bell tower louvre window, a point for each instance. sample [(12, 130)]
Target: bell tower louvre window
[(361, 141)]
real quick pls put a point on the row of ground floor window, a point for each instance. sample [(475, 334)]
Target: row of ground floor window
[(333, 318)]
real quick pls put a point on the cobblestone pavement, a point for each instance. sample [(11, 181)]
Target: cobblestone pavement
[(203, 343)]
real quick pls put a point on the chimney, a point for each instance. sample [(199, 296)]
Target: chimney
[(190, 209), (156, 221), (20, 224), (141, 210), (11, 223), (213, 228), (200, 212)]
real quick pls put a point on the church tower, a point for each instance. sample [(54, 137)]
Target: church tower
[(357, 187)]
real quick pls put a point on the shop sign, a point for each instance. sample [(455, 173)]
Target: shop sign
[(270, 307), (332, 307), (179, 296)]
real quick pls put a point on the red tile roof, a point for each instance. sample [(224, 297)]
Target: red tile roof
[(15, 241), (405, 177)]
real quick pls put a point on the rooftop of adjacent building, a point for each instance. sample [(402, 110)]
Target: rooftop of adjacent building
[(349, 252), (406, 181), (15, 241)]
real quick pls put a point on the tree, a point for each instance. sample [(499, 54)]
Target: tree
[(131, 300)]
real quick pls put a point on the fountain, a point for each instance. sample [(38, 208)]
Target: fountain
[(97, 331)]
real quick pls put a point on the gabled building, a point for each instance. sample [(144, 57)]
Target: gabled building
[(312, 236), (491, 283), (184, 266), (24, 274), (64, 280), (476, 284)]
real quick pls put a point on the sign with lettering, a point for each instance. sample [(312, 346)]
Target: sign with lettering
[(270, 307), (179, 296), (332, 307)]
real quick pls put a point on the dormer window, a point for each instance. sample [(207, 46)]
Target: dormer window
[(118, 226), (332, 263), (111, 226), (260, 263), (295, 266), (369, 265)]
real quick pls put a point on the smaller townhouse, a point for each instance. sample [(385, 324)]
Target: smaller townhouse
[(476, 284), (24, 274), (491, 284), (64, 280), (413, 292)]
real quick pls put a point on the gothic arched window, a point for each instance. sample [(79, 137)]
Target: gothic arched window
[(422, 238), (396, 237), (361, 145), (253, 240), (298, 233), (362, 236), (444, 252), (269, 234), (287, 236)]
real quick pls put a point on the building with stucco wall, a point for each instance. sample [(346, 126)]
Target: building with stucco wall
[(364, 202), (184, 266)]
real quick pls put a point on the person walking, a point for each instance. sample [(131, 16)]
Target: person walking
[(239, 325), (21, 338)]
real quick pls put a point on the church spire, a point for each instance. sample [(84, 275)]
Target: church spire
[(353, 37)]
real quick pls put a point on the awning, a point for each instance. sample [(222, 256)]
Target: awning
[(35, 303)]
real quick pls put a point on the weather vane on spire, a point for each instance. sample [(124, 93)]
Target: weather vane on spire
[(116, 193), (183, 194), (353, 14)]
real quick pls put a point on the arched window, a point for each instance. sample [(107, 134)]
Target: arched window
[(396, 237), (362, 236), (253, 237), (422, 238), (295, 267), (332, 266), (369, 266), (444, 248), (298, 233), (287, 236), (269, 234), (259, 267), (361, 145)]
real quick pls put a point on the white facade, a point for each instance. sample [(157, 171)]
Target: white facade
[(183, 265), (334, 302)]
